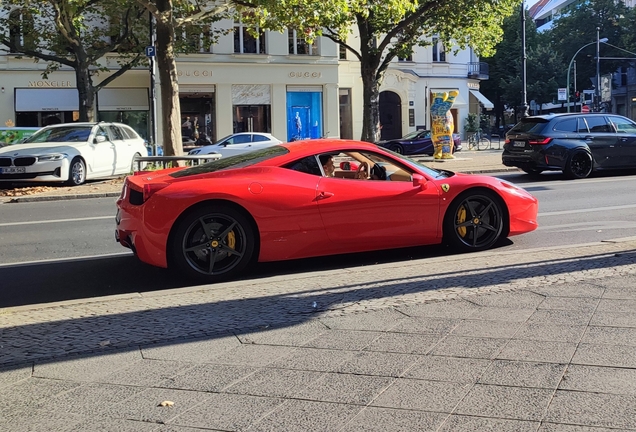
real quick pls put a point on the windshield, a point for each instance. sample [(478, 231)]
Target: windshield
[(233, 162), (418, 166), (530, 125), (412, 135), (61, 134)]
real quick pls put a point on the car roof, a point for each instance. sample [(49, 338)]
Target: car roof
[(551, 116)]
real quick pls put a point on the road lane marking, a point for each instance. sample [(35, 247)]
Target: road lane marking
[(587, 210), (56, 221), (56, 260)]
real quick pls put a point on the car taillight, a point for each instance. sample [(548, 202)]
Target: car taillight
[(151, 188), (507, 141), (540, 142)]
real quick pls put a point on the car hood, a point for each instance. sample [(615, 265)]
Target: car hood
[(39, 148)]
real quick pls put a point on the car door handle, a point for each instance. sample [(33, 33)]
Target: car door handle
[(324, 195), (624, 139)]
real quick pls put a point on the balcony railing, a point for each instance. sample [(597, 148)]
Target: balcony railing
[(478, 70)]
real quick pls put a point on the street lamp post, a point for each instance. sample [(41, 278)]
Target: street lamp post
[(597, 93), (524, 79), (567, 88)]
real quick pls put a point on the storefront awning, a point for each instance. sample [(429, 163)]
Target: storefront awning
[(482, 99), (46, 99), (122, 99)]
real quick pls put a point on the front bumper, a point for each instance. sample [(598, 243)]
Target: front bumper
[(47, 171)]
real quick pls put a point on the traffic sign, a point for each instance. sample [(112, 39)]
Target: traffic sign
[(585, 109), (150, 51), (562, 94)]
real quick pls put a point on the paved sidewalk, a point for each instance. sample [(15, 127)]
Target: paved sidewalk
[(486, 161), (538, 340)]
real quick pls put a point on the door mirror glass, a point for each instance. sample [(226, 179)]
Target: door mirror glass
[(99, 139)]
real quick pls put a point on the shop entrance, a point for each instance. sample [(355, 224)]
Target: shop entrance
[(252, 118), (390, 115), (197, 117)]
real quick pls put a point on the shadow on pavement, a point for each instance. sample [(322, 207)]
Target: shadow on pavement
[(163, 322)]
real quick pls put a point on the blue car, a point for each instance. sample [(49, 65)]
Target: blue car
[(417, 142)]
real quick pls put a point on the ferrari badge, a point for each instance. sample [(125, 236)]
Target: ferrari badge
[(445, 187)]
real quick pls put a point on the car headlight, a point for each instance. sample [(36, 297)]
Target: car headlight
[(194, 152), (52, 157)]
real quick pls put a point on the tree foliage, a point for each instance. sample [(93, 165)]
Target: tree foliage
[(386, 29), (77, 34), (174, 18)]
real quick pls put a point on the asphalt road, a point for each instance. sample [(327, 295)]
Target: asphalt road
[(40, 242)]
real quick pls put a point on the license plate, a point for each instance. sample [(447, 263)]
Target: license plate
[(518, 143), (13, 170)]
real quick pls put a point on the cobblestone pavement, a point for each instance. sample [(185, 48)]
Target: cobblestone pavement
[(541, 340)]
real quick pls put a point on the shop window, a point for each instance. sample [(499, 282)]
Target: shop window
[(439, 51), (304, 113), (245, 42), (198, 116), (298, 45)]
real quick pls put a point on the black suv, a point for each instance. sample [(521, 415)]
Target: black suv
[(576, 143)]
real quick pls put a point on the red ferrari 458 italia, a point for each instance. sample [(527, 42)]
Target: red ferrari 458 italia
[(306, 199)]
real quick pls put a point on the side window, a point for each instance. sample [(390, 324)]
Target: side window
[(623, 125), (597, 124), (582, 128), (125, 133), (307, 165), (115, 133), (101, 132), (260, 138), (239, 139), (568, 125)]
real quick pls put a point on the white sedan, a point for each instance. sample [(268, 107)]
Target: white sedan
[(72, 153), (238, 143)]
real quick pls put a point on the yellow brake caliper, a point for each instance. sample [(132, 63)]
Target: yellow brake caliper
[(231, 240), (461, 218)]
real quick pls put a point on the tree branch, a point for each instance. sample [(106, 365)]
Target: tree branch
[(201, 15), (36, 54), (334, 37), (150, 7), (406, 22), (122, 68)]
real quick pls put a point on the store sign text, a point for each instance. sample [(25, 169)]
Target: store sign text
[(305, 74), (195, 73), (44, 83)]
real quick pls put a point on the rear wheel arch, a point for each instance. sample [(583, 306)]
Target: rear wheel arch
[(218, 202)]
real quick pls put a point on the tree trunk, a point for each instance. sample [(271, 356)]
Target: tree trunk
[(170, 108), (86, 93), (371, 104)]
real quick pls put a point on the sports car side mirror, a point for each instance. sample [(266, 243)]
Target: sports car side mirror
[(99, 139), (419, 181)]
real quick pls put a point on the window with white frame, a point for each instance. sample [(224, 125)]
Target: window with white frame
[(245, 42), (439, 51), (298, 45)]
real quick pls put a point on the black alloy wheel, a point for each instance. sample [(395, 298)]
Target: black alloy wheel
[(474, 221), (397, 148), (579, 165), (76, 172), (213, 243)]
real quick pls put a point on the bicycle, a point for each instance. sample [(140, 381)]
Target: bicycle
[(478, 141)]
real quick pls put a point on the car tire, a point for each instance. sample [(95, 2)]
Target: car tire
[(474, 221), (133, 165), (579, 165), (397, 148), (212, 242), (76, 172)]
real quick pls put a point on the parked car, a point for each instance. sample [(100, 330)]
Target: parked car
[(417, 142), (72, 153), (279, 203), (238, 143), (576, 143)]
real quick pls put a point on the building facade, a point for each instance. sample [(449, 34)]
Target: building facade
[(275, 82)]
